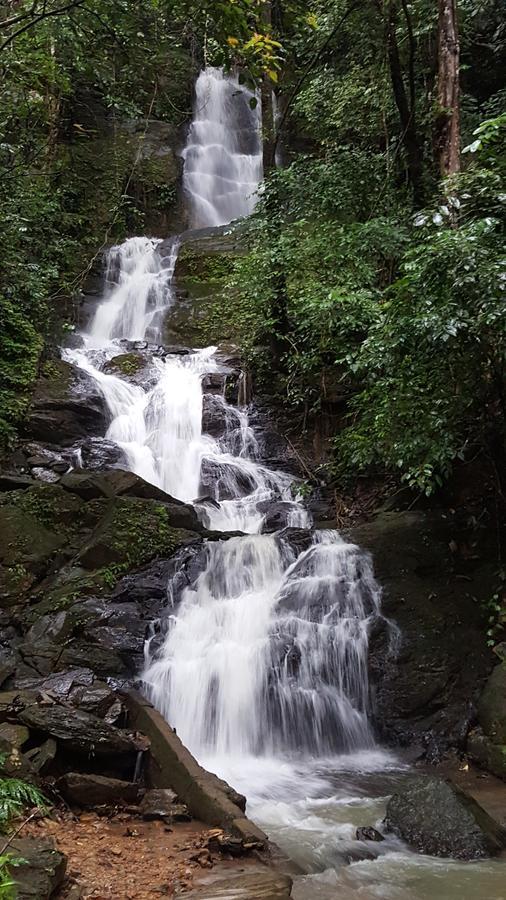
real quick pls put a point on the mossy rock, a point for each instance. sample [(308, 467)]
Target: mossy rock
[(126, 364), (492, 706), (26, 549), (134, 532)]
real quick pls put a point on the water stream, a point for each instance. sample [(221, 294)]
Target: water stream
[(263, 664)]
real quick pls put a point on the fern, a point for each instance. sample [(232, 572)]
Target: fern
[(15, 795)]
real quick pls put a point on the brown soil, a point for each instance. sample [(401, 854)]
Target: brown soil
[(124, 857)]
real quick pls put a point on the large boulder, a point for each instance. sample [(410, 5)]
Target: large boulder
[(436, 817), (427, 674), (66, 405), (80, 732)]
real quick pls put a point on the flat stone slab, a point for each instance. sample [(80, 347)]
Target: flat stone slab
[(248, 886)]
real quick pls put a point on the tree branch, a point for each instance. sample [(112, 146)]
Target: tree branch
[(43, 15)]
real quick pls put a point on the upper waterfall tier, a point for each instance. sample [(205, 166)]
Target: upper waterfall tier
[(223, 154)]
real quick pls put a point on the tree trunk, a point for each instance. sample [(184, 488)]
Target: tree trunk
[(405, 102), (448, 95)]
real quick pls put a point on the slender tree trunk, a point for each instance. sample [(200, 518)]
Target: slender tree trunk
[(405, 100), (448, 94), (268, 124)]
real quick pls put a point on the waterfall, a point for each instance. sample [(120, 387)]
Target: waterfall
[(262, 652), (223, 154), (267, 652)]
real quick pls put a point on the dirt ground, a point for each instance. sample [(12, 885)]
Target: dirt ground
[(126, 858)]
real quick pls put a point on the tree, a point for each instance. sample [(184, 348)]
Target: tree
[(448, 89)]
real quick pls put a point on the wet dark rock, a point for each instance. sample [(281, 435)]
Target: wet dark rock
[(42, 757), (98, 454), (158, 804), (299, 539), (276, 514), (224, 480), (15, 482), (79, 732), (42, 871), (426, 678), (66, 405), (368, 833), (437, 818), (207, 501), (89, 790), (59, 684), (214, 415)]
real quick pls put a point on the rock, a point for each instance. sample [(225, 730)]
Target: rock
[(42, 871), (66, 405), (79, 731), (45, 475), (41, 757), (13, 735), (299, 539), (133, 367), (96, 790), (436, 817), (158, 804), (487, 754), (225, 480), (368, 833), (97, 454), (276, 515), (59, 684), (15, 482), (427, 677), (136, 531), (119, 483), (492, 706), (214, 415)]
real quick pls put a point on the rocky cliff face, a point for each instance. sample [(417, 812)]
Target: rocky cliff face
[(429, 669)]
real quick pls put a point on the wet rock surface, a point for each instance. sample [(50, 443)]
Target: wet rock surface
[(429, 666), (66, 405), (437, 818)]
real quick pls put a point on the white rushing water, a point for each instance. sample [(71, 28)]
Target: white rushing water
[(223, 155), (262, 662)]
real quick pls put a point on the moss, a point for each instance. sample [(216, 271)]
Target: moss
[(135, 532), (51, 506), (205, 267), (126, 363)]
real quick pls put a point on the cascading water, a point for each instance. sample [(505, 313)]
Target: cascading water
[(223, 155), (262, 668), (265, 653)]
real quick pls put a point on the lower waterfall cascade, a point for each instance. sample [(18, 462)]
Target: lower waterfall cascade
[(261, 661)]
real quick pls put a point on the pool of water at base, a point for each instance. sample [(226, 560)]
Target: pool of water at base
[(311, 810)]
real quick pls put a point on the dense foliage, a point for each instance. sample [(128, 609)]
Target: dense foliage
[(380, 290)]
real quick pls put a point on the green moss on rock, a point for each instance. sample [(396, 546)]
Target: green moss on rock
[(134, 532)]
